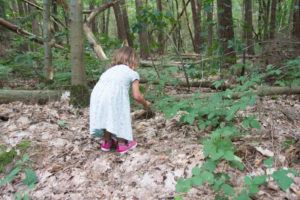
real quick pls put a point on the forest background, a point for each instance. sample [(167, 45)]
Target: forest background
[(241, 50)]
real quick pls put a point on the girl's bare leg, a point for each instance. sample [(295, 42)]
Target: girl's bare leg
[(121, 140), (107, 136)]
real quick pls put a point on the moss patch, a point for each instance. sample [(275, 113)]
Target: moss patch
[(80, 96)]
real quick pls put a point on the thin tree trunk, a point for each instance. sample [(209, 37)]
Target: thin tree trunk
[(248, 26), (196, 11), (107, 21), (143, 38), (48, 69), (78, 75), (273, 19), (210, 27), (93, 22), (266, 18), (189, 27), (126, 23), (226, 32), (94, 42), (296, 21), (160, 34), (54, 6), (21, 8), (120, 22)]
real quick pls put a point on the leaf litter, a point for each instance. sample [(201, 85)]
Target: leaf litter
[(70, 165)]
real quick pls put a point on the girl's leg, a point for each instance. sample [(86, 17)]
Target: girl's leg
[(121, 140), (107, 136)]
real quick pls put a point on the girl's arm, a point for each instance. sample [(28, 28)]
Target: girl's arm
[(138, 96)]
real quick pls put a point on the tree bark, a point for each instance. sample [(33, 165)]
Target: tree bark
[(94, 42), (160, 34), (35, 25), (78, 74), (93, 22), (296, 21), (273, 19), (210, 27), (30, 36), (29, 96), (266, 18), (189, 27), (126, 23), (248, 26), (143, 38), (269, 91), (196, 12), (120, 22), (48, 69), (226, 32), (43, 96)]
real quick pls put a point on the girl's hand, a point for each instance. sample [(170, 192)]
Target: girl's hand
[(147, 105)]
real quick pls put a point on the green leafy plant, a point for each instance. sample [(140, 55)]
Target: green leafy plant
[(29, 180)]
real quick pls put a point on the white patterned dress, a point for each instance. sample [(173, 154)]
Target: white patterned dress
[(109, 104)]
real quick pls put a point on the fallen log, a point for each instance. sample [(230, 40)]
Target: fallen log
[(262, 91), (205, 84), (32, 37), (29, 96), (43, 96)]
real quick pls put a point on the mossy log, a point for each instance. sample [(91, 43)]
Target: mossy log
[(43, 96), (29, 96), (262, 91)]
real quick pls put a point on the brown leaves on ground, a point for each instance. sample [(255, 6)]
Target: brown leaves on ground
[(70, 165)]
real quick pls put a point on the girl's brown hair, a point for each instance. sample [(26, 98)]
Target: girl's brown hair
[(126, 56)]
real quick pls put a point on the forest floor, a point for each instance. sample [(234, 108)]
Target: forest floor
[(70, 165)]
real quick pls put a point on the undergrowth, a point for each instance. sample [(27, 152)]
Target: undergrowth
[(221, 112)]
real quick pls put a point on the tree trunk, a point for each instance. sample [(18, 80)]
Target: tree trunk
[(48, 69), (248, 27), (273, 19), (189, 27), (35, 24), (94, 43), (126, 23), (266, 18), (143, 36), (210, 27), (93, 23), (78, 75), (296, 21), (226, 33), (196, 11), (107, 21), (160, 34), (120, 22)]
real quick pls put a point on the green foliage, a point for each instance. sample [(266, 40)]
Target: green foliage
[(29, 180), (282, 179), (6, 158)]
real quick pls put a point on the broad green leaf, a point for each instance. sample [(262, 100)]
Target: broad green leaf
[(255, 124), (227, 189), (197, 180), (182, 185), (282, 179), (196, 171), (178, 198), (10, 176), (209, 165), (259, 180), (242, 196), (31, 177), (26, 197), (208, 177), (269, 162), (229, 155)]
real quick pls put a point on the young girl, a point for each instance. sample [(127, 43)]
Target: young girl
[(110, 106)]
